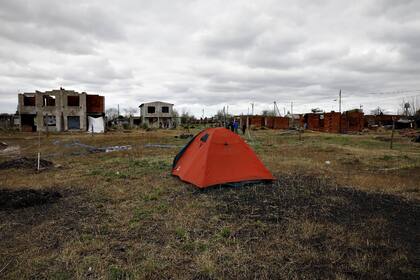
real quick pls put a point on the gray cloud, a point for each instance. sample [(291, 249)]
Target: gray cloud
[(208, 54)]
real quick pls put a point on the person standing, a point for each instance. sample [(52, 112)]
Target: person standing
[(236, 126)]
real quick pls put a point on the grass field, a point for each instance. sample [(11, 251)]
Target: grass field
[(343, 207)]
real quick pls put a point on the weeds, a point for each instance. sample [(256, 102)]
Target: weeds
[(121, 216)]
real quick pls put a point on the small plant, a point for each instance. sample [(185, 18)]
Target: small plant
[(386, 157), (225, 232), (116, 273), (154, 195), (181, 233), (140, 214)]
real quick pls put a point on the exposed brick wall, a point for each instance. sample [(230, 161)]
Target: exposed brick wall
[(352, 121), (332, 122), (256, 121), (269, 122), (313, 121), (95, 104), (281, 123)]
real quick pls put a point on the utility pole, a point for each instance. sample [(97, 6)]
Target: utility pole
[(224, 113), (339, 108), (118, 111), (339, 101), (392, 133), (276, 109), (39, 147), (252, 104), (291, 111)]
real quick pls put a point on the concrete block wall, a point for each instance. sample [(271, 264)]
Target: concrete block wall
[(61, 110)]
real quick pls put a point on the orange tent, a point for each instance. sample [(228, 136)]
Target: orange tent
[(218, 156)]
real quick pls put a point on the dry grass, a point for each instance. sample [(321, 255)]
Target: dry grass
[(122, 216)]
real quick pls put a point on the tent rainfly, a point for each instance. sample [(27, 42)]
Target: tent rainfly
[(218, 156)]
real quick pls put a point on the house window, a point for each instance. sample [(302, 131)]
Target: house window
[(48, 100), (29, 101), (49, 120), (151, 109), (165, 109), (73, 100), (73, 122)]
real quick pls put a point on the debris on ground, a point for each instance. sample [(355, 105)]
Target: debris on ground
[(416, 139), (161, 146), (184, 136), (382, 138), (115, 148), (24, 162), (93, 149), (16, 199), (10, 150), (288, 132), (3, 145), (408, 133)]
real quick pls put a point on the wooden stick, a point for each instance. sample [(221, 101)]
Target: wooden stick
[(39, 148), (6, 265), (392, 133)]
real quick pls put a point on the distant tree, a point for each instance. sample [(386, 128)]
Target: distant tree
[(175, 113), (111, 113), (408, 107), (131, 111), (221, 115), (378, 111), (268, 113), (186, 117)]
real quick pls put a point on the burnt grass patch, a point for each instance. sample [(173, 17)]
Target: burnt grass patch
[(305, 227), (62, 215), (25, 163), (15, 199)]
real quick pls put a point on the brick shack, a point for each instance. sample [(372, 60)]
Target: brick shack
[(352, 121), (332, 122)]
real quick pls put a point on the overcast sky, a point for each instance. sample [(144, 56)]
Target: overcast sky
[(209, 54)]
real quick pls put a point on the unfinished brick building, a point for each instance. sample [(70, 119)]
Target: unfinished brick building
[(277, 122), (58, 110), (352, 121), (380, 120), (332, 122), (253, 121), (313, 121)]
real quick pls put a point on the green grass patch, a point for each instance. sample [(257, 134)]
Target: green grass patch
[(225, 232), (117, 273)]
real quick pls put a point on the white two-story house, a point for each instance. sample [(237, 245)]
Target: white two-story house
[(157, 114)]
